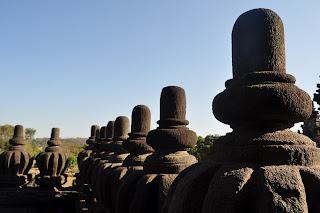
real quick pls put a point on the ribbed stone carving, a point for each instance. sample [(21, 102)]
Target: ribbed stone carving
[(15, 163), (52, 163), (261, 166), (171, 140), (139, 150)]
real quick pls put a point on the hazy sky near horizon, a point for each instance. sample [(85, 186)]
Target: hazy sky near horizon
[(74, 63)]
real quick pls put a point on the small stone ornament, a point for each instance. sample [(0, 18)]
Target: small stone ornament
[(52, 163), (15, 163)]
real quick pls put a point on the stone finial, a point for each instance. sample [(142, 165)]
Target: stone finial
[(311, 127), (95, 129), (104, 155), (110, 131), (136, 143), (171, 136), (258, 58), (258, 43), (316, 96), (52, 163), (103, 132), (121, 130), (105, 145), (15, 163), (18, 136), (88, 150), (261, 162)]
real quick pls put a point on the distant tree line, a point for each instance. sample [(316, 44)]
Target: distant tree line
[(70, 146), (202, 150)]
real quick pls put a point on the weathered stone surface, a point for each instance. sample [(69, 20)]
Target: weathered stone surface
[(145, 191), (121, 130), (105, 153), (311, 127), (88, 155), (261, 166), (15, 163), (52, 163), (88, 150), (139, 150)]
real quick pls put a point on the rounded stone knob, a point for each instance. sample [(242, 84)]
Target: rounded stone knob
[(258, 43)]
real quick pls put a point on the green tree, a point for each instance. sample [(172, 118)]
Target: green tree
[(30, 133), (6, 133), (202, 150)]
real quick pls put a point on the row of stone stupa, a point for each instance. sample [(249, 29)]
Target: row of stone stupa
[(16, 163), (120, 168), (261, 166)]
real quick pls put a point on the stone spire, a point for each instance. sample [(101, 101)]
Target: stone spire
[(105, 146), (121, 130), (99, 142), (311, 127), (85, 157), (139, 150), (170, 140), (52, 163), (316, 96), (136, 143), (15, 163), (98, 171), (86, 153), (261, 166)]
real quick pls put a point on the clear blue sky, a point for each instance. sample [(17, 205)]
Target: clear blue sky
[(74, 63)]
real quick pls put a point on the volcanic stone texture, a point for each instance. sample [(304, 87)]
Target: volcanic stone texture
[(311, 127), (15, 163), (52, 163), (139, 150), (261, 166), (145, 191), (121, 130), (86, 153)]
